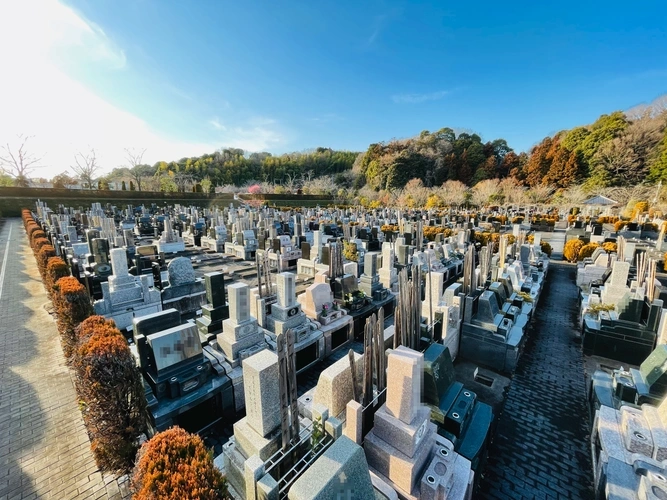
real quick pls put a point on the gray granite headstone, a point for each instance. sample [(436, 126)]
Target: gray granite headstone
[(262, 393), (239, 305), (286, 284), (341, 472), (180, 272), (371, 263)]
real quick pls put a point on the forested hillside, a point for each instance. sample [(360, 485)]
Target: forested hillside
[(617, 149), (436, 158), (232, 166)]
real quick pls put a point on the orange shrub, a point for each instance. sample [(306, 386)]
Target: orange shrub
[(619, 225), (431, 231), (43, 255), (95, 324), (587, 250), (38, 243), (110, 385), (72, 305), (546, 248), (108, 329), (36, 235), (31, 227), (174, 465), (571, 250), (610, 247), (55, 269)]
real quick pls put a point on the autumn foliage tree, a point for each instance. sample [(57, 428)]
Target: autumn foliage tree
[(174, 465), (112, 391)]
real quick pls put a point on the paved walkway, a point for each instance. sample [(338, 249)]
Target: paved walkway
[(44, 447), (541, 445)]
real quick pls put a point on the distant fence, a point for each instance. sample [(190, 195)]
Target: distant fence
[(13, 199)]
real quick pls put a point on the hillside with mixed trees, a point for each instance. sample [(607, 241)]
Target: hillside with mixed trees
[(618, 149)]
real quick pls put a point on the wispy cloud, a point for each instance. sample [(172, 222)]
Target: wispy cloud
[(325, 118), (63, 32), (177, 91), (417, 98), (379, 23), (255, 134), (215, 123)]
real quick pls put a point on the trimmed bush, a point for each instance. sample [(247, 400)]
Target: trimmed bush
[(32, 228), (174, 465), (431, 231), (35, 236), (610, 247), (587, 250), (55, 269), (38, 243), (110, 385), (95, 325), (571, 250), (72, 305), (619, 225), (42, 256)]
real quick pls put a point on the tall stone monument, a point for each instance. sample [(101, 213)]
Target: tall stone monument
[(125, 296), (241, 336)]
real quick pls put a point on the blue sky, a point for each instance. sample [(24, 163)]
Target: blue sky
[(184, 77)]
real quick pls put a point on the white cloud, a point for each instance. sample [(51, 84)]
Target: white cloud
[(47, 29), (417, 98), (38, 40), (255, 137), (215, 123)]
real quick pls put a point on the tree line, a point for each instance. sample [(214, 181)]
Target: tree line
[(618, 149)]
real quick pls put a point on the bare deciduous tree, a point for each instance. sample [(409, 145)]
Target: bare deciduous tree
[(483, 192), (513, 192), (183, 181), (627, 157), (656, 108), (136, 169), (417, 191), (454, 193), (86, 167), (18, 163), (540, 194)]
